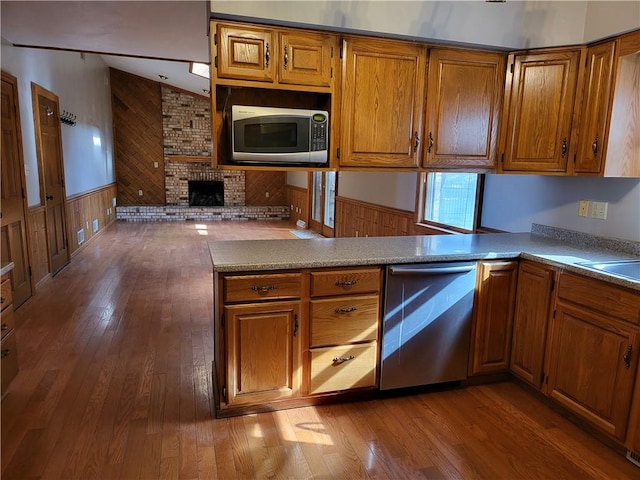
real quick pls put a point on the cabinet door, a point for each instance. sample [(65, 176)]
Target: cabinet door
[(533, 302), (595, 108), (464, 95), (263, 352), (592, 367), (493, 317), (539, 111), (305, 58), (245, 53), (383, 91)]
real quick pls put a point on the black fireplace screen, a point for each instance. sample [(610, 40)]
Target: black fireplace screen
[(205, 193)]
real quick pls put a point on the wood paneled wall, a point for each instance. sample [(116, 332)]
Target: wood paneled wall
[(298, 202), (136, 105), (83, 209), (355, 218), (259, 183), (38, 244)]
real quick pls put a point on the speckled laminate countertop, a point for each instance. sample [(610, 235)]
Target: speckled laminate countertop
[(262, 255)]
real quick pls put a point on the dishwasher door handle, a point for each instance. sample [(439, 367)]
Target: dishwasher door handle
[(431, 270)]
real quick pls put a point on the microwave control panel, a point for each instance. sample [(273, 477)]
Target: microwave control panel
[(318, 132)]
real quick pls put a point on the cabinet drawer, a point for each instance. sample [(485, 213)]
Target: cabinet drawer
[(7, 321), (6, 294), (608, 299), (8, 361), (244, 288), (340, 282), (348, 319), (343, 368)]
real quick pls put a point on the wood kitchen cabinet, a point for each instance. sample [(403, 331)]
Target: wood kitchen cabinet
[(539, 111), (493, 317), (344, 328), (263, 351), (278, 56), (464, 97), (533, 306), (288, 338), (593, 351), (382, 103)]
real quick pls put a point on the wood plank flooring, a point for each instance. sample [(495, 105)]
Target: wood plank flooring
[(115, 365)]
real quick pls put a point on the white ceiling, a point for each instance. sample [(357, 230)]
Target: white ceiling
[(146, 38)]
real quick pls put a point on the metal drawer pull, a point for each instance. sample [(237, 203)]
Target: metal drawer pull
[(263, 288), (5, 353), (343, 359), (346, 283), (4, 327), (627, 357), (345, 309)]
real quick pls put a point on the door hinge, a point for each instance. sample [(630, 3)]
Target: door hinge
[(331, 72), (553, 284), (295, 324), (502, 158), (511, 68), (215, 61), (546, 380), (215, 37), (541, 378), (575, 156), (29, 269), (338, 152), (224, 393), (554, 314), (222, 320), (342, 48), (331, 52)]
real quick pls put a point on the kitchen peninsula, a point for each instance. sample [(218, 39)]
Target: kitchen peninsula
[(298, 322)]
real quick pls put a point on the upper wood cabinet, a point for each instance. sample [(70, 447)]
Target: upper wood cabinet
[(382, 103), (283, 56), (540, 94), (464, 96), (595, 108)]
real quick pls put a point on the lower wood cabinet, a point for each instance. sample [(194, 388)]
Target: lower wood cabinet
[(263, 351), (533, 306), (288, 337), (493, 317), (8, 350), (594, 340)]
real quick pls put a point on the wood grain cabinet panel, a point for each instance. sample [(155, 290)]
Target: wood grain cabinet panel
[(539, 111), (464, 96), (343, 368), (493, 317), (592, 367), (595, 109), (250, 288), (382, 103), (8, 349), (245, 53), (533, 303), (305, 58), (341, 320), (341, 282), (263, 352)]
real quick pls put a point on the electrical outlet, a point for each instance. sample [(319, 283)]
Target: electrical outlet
[(583, 208), (599, 210), (266, 194), (139, 193), (155, 164)]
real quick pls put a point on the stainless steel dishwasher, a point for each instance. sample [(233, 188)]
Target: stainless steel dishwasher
[(427, 323)]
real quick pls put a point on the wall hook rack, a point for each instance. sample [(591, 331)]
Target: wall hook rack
[(68, 118)]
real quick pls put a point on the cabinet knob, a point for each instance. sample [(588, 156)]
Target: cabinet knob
[(4, 327), (594, 146), (416, 143), (565, 147), (627, 356), (430, 142), (5, 353), (263, 289), (1, 299)]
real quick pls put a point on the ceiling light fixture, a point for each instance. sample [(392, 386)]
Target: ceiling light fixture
[(163, 77), (206, 91), (200, 69)]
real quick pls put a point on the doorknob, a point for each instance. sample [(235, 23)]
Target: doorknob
[(49, 197)]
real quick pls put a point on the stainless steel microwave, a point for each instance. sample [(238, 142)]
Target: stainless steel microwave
[(279, 136)]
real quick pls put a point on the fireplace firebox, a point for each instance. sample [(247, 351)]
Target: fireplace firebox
[(206, 193)]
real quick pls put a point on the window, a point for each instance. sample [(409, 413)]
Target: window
[(451, 200)]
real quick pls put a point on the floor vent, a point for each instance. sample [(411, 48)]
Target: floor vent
[(80, 236), (633, 457), (95, 225)]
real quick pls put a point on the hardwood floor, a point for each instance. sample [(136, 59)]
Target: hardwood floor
[(115, 364)]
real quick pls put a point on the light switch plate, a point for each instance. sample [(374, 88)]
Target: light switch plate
[(583, 208)]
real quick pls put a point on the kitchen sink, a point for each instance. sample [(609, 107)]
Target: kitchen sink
[(623, 268)]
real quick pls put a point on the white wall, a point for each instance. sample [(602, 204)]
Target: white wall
[(395, 190), (297, 179), (512, 24), (82, 87), (514, 202)]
